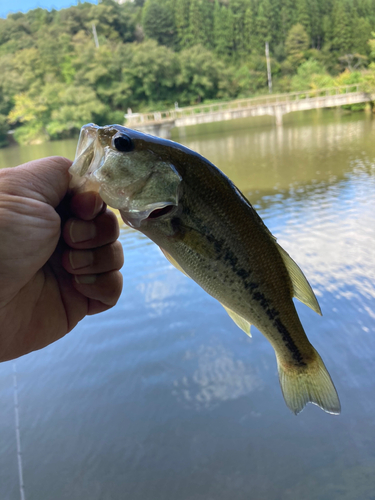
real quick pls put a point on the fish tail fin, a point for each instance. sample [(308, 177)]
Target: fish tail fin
[(309, 384)]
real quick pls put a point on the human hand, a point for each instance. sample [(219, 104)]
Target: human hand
[(59, 256)]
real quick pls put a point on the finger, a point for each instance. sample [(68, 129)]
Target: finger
[(100, 260), (105, 288), (45, 180), (86, 205), (82, 234), (95, 307)]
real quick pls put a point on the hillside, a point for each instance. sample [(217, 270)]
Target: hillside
[(55, 75)]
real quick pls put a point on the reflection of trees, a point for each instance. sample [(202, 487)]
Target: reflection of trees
[(311, 151)]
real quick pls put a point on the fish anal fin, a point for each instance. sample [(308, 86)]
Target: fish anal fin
[(308, 384), (301, 287), (173, 261), (239, 320)]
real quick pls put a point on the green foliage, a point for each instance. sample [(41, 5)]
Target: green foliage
[(152, 53), (182, 11), (223, 30), (201, 76), (3, 131), (371, 44), (311, 74), (149, 77), (158, 22), (342, 29), (296, 44)]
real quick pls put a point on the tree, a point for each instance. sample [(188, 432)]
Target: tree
[(223, 30), (182, 10), (296, 44), (158, 22), (238, 8), (248, 35), (361, 35), (197, 22), (303, 16), (3, 131), (262, 27), (201, 76), (342, 29), (311, 74), (150, 75), (287, 16), (315, 23)]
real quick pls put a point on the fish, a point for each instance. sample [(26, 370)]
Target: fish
[(208, 230)]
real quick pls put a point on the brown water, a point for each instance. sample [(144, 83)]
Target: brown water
[(164, 398)]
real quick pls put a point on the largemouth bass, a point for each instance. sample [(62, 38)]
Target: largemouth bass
[(209, 231)]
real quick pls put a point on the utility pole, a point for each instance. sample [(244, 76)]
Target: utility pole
[(95, 35), (268, 69)]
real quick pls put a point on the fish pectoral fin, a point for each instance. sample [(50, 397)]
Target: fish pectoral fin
[(239, 320), (173, 261), (301, 287)]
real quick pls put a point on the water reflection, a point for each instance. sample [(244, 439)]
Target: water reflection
[(217, 376), (278, 158), (163, 397)]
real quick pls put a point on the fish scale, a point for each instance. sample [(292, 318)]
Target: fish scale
[(209, 231)]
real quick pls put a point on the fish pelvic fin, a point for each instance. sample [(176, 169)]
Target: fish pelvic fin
[(301, 287), (309, 384), (239, 320), (173, 261)]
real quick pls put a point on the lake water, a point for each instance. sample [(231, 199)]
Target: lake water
[(164, 398)]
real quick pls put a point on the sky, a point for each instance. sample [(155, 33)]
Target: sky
[(8, 6)]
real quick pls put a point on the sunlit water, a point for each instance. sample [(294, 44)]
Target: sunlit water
[(164, 398)]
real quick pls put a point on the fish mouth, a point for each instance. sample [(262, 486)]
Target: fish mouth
[(88, 157), (91, 155), (153, 211)]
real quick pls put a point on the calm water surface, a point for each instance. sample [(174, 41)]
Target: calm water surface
[(164, 398)]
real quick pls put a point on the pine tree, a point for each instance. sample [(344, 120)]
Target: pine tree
[(207, 12), (315, 15), (223, 30), (196, 24), (248, 34), (342, 41), (182, 9), (262, 27), (238, 8), (361, 35), (158, 22), (296, 44), (275, 22), (303, 15), (287, 16)]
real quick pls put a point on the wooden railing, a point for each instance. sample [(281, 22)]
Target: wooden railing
[(174, 114)]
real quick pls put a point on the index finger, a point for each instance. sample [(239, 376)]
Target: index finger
[(87, 205)]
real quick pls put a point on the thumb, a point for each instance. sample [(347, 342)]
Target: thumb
[(45, 180)]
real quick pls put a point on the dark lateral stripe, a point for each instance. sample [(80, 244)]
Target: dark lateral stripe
[(224, 252), (288, 341)]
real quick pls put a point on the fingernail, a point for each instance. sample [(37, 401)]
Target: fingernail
[(85, 279), (80, 258), (82, 231)]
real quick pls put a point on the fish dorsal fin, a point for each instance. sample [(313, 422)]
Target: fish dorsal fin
[(239, 320), (173, 261), (301, 287)]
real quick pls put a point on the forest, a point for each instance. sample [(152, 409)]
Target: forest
[(90, 63)]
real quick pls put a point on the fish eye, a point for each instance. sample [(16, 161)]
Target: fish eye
[(123, 143)]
